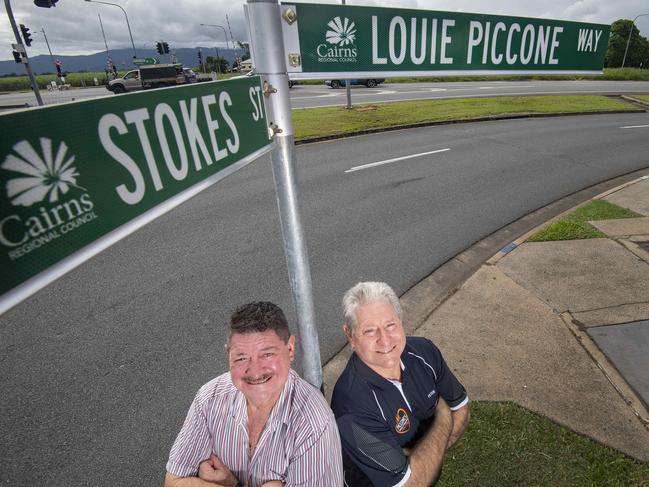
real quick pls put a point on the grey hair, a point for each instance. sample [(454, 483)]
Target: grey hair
[(366, 292)]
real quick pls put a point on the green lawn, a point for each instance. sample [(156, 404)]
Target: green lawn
[(507, 445), (317, 122), (644, 98), (575, 225), (617, 74)]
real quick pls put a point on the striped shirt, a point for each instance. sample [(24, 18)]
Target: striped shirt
[(299, 445)]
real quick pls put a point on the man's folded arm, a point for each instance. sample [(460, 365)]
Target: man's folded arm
[(427, 457), (460, 421)]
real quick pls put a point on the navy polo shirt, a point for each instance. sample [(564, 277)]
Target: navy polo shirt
[(377, 417)]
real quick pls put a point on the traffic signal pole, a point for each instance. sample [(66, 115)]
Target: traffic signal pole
[(267, 48), (23, 53)]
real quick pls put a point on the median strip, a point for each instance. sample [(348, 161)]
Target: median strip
[(314, 124)]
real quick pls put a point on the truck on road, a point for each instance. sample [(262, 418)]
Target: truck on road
[(154, 76)]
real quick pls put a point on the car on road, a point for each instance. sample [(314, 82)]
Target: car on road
[(154, 76), (370, 82), (190, 75)]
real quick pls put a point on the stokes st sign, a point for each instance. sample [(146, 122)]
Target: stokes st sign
[(337, 40), (76, 178)]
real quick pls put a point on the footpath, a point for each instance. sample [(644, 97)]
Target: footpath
[(561, 328)]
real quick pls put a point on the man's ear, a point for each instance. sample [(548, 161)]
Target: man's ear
[(291, 347), (348, 331)]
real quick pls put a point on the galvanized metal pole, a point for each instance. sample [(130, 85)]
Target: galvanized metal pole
[(128, 25), (629, 38), (348, 87), (48, 47), (23, 54), (270, 62)]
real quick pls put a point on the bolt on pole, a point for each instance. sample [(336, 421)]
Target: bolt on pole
[(23, 54), (267, 48)]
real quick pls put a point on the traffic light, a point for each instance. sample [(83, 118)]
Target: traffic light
[(26, 35), (45, 3), (165, 47), (158, 46), (17, 57)]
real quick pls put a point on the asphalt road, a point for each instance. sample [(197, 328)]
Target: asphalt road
[(98, 369), (308, 96)]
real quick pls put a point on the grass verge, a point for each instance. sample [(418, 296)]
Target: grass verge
[(506, 444), (644, 98), (330, 121), (611, 74), (575, 226)]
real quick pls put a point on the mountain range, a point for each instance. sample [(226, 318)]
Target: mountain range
[(123, 58)]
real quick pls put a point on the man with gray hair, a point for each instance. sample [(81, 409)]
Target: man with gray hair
[(397, 404)]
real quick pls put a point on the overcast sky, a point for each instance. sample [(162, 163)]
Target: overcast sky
[(72, 27)]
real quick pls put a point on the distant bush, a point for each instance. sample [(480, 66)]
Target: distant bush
[(19, 83), (617, 74)]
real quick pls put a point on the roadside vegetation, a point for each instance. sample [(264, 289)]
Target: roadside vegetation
[(644, 98), (613, 74), (338, 121), (506, 444), (575, 226), (20, 83)]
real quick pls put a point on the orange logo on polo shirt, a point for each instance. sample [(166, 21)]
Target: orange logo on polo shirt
[(403, 421)]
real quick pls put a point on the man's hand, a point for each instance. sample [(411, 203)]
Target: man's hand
[(214, 470)]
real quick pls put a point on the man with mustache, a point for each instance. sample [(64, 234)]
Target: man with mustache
[(397, 404), (259, 424)]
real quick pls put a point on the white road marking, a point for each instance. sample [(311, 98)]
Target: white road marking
[(396, 159), (634, 126)]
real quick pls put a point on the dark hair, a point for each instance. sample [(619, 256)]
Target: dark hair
[(259, 316)]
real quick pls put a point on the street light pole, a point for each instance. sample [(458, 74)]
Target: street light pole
[(48, 47), (224, 32), (127, 22), (630, 34)]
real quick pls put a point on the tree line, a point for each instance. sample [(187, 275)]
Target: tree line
[(637, 55)]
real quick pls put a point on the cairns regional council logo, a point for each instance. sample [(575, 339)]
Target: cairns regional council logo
[(42, 187), (403, 421), (340, 40)]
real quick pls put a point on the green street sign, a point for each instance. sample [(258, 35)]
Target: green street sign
[(144, 61), (76, 178), (325, 41)]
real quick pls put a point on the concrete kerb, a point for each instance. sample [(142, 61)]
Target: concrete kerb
[(424, 298), (640, 103)]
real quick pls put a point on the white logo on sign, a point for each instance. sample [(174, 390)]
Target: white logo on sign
[(342, 33), (42, 175)]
